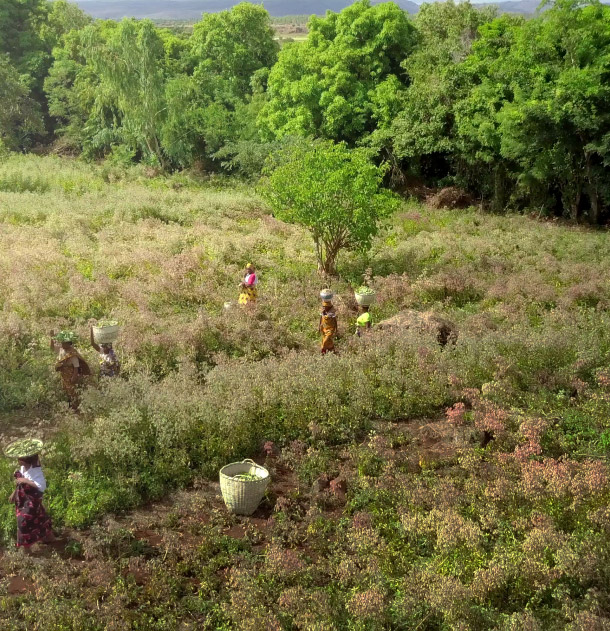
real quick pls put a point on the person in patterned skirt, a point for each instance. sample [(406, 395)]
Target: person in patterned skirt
[(247, 295), (33, 523)]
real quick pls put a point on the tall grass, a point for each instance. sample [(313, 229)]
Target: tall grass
[(205, 385)]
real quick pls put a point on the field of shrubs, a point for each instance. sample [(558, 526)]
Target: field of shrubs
[(415, 487)]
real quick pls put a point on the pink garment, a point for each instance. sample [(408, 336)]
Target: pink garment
[(250, 280)]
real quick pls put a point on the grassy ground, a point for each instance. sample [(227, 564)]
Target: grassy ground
[(421, 528)]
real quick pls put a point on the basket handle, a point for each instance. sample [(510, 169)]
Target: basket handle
[(250, 461)]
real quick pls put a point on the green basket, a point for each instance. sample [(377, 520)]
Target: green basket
[(243, 496)]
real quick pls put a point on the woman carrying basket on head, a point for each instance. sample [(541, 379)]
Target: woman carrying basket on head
[(248, 291), (33, 523), (110, 366), (70, 364), (328, 327)]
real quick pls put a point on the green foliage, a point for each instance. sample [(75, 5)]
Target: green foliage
[(130, 65), (20, 116), (534, 112), (422, 133), (513, 535), (335, 193), (337, 83)]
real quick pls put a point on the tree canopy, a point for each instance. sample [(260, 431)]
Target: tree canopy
[(512, 109), (336, 83), (335, 193)]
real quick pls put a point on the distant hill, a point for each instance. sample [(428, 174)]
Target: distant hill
[(192, 9)]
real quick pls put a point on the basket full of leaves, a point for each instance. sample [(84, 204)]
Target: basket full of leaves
[(106, 331), (243, 485), (23, 448), (365, 296)]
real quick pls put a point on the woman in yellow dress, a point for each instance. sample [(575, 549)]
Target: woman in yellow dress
[(248, 292), (328, 326)]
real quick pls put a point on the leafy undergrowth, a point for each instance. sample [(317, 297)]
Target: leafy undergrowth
[(415, 527), (502, 525)]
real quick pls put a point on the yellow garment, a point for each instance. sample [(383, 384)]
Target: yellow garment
[(328, 327), (247, 295)]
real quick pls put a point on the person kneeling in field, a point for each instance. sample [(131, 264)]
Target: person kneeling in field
[(70, 364), (110, 366), (33, 523)]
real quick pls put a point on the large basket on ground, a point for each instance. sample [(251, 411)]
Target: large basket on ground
[(106, 334), (365, 300), (243, 496)]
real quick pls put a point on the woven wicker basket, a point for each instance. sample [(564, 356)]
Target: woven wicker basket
[(243, 496), (365, 300), (106, 334)]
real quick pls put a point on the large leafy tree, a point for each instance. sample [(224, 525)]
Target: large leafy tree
[(29, 29), (130, 63), (345, 79), (230, 46), (334, 192), (537, 112), (21, 22), (84, 110), (215, 100), (20, 117), (422, 134)]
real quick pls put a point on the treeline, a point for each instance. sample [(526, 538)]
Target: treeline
[(514, 110)]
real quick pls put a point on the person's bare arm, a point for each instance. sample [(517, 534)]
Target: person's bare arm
[(74, 377), (53, 345), (23, 480)]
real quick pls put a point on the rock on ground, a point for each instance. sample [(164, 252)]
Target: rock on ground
[(425, 322), (450, 197)]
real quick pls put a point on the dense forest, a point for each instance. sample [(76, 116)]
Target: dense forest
[(513, 110)]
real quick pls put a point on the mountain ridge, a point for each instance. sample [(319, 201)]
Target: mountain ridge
[(192, 9)]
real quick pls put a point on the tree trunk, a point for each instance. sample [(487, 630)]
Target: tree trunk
[(594, 207), (330, 261), (319, 255)]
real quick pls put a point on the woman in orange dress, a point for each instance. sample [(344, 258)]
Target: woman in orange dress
[(70, 365), (328, 326)]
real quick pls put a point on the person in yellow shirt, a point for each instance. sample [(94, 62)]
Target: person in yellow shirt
[(364, 321)]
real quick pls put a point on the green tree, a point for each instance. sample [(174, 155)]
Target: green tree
[(536, 117), (334, 192), (85, 111), (423, 134), (21, 22), (20, 118), (230, 46), (337, 83), (215, 100), (130, 63)]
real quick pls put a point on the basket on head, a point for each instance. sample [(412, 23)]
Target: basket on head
[(365, 300), (23, 448), (243, 496), (106, 334), (326, 294)]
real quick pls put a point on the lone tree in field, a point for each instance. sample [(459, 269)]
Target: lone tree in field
[(334, 192)]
